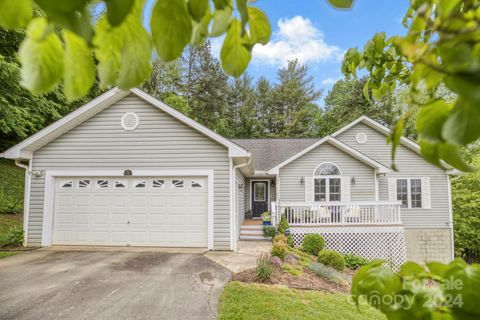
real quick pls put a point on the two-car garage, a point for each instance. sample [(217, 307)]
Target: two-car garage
[(131, 211)]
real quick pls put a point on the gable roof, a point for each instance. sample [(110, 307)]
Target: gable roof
[(24, 149), (340, 145), (267, 153)]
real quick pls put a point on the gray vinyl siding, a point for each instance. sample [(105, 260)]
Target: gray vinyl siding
[(292, 190), (410, 165), (160, 142), (240, 179)]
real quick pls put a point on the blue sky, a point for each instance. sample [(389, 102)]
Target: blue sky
[(318, 35)]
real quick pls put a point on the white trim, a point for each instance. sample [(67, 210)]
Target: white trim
[(268, 181), (361, 138), (377, 195), (123, 124), (340, 145), (232, 204), (326, 162), (450, 216), (26, 206), (50, 175), (105, 100)]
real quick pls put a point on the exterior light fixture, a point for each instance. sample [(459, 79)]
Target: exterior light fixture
[(353, 180), (302, 181)]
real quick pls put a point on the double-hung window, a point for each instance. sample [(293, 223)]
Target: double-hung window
[(409, 192)]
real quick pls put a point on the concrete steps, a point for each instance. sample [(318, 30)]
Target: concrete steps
[(251, 232)]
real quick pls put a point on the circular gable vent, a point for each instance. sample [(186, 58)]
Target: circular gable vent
[(361, 137), (130, 121)]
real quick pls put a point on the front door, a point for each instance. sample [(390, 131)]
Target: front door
[(259, 197)]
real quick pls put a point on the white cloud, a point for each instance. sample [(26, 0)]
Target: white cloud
[(297, 38), (329, 81)]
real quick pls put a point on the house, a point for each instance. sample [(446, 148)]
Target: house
[(127, 170)]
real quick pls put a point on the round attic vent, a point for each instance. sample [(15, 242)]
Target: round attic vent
[(361, 137), (130, 121)]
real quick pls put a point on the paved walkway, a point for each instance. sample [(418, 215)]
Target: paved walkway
[(244, 258)]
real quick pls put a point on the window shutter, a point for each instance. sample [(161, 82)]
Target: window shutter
[(426, 194), (308, 189), (345, 188), (392, 189)]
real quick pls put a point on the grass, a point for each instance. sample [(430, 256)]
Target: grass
[(11, 187), (6, 222), (255, 301), (4, 254)]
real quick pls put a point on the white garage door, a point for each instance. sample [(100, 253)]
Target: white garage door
[(136, 211)]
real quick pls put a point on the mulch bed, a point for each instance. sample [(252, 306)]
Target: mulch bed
[(307, 281), (15, 247)]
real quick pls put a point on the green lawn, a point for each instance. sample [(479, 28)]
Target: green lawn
[(11, 187), (4, 254), (254, 301)]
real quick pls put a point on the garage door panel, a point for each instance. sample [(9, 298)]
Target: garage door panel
[(121, 211)]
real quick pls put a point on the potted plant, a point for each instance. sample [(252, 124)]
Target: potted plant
[(267, 218)]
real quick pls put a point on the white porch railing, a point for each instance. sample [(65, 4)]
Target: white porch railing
[(337, 213)]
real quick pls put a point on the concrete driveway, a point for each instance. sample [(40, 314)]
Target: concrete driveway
[(110, 285)]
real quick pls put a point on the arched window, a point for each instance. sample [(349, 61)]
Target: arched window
[(328, 186), (327, 169)]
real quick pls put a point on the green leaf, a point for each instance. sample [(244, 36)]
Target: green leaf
[(171, 28), (198, 8), (79, 70), (465, 86), (465, 281), (222, 4), (118, 10), (394, 138), (243, 10), (234, 54), (341, 4), (260, 29), (123, 52), (451, 155), (72, 15), (463, 123), (200, 30), (411, 268), (429, 151), (430, 120), (15, 13), (437, 268), (41, 56), (221, 21)]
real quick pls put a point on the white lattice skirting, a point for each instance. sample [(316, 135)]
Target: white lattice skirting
[(386, 243)]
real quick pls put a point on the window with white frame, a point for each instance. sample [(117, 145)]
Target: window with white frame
[(409, 192), (177, 183), (196, 183), (101, 184), (84, 183), (327, 183), (158, 183)]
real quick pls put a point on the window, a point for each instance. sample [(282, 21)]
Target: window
[(101, 184), (416, 193), (402, 192), (177, 183), (327, 169), (67, 184), (140, 184), (84, 183), (196, 183), (120, 183), (158, 183), (327, 183), (260, 191), (409, 192)]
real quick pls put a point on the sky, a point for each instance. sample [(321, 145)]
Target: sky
[(318, 35)]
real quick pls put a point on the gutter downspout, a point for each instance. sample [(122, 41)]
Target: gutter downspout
[(26, 198), (234, 198)]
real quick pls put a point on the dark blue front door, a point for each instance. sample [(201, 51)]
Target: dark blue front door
[(259, 197)]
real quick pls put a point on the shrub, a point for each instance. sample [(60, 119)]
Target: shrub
[(354, 262), (283, 225), (14, 235), (279, 250), (280, 239), (328, 273), (313, 243), (332, 259), (269, 231), (290, 242), (266, 216), (293, 269), (304, 258), (265, 267)]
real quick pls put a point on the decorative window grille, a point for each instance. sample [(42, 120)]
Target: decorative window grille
[(361, 137), (196, 184), (101, 184), (416, 193), (140, 184), (67, 184), (402, 192), (120, 183), (158, 183), (85, 183), (177, 183)]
